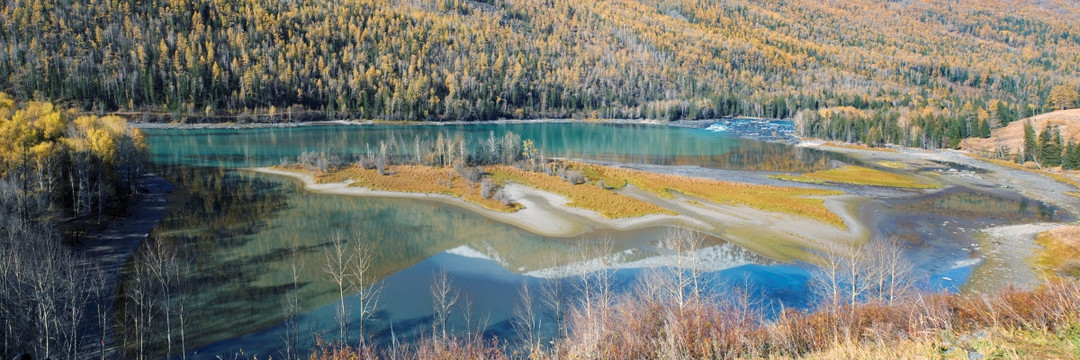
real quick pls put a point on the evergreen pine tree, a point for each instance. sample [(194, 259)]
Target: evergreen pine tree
[(1071, 161), (1031, 147), (1050, 147), (984, 129), (1074, 158)]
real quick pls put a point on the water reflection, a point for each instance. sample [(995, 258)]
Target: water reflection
[(241, 230), (489, 294), (644, 144)]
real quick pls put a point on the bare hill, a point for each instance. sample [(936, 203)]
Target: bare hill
[(1010, 139)]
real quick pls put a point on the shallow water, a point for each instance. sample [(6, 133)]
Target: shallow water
[(243, 232)]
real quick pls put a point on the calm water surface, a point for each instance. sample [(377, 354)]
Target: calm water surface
[(244, 232)]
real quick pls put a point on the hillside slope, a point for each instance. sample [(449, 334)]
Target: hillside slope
[(1008, 141), (458, 59)]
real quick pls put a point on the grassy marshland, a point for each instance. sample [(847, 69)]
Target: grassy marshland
[(857, 175), (787, 200)]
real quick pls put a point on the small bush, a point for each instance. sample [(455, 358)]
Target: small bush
[(575, 177), (470, 174), (488, 188), (367, 163)]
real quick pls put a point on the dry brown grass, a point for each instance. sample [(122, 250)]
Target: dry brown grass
[(585, 196), (410, 179), (858, 175), (858, 147), (991, 343), (1012, 136), (1061, 255), (642, 328), (1040, 324), (787, 200)]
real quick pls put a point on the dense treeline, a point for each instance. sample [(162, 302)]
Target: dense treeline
[(55, 168), (458, 59)]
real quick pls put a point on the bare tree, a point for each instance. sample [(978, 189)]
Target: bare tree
[(291, 308), (850, 275), (889, 276), (685, 286), (443, 298), (492, 146), (367, 291), (526, 322), (594, 283), (137, 315), (161, 262), (594, 296), (337, 267)]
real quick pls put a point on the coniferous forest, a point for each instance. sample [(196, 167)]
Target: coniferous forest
[(917, 74), (128, 232)]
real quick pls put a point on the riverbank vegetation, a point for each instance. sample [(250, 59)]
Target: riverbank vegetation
[(60, 175), (1061, 253)]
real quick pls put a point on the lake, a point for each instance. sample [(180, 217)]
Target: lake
[(255, 242)]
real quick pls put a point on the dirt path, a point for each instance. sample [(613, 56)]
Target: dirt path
[(111, 248)]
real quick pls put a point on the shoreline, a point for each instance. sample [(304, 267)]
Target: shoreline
[(111, 248), (766, 233), (1008, 258), (697, 124)]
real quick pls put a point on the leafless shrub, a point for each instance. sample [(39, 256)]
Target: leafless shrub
[(575, 177), (443, 297), (469, 173), (367, 163), (488, 188)]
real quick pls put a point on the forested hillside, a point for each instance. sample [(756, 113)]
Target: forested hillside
[(900, 65), (58, 172)]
